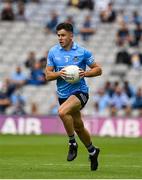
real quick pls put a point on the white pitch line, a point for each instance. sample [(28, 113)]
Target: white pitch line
[(86, 165), (58, 164)]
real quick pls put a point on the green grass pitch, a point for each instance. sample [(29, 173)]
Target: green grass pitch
[(44, 157)]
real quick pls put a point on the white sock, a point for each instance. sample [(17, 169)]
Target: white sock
[(92, 153)]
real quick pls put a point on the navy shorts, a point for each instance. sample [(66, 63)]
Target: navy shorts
[(83, 97)]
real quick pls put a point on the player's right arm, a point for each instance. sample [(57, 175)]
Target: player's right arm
[(50, 75)]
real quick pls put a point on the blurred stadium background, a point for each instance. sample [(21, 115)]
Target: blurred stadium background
[(27, 32), (28, 105)]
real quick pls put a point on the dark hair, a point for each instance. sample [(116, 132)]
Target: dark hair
[(66, 26)]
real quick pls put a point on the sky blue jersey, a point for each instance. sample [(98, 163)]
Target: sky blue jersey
[(59, 58)]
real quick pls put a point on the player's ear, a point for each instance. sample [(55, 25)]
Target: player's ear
[(71, 35)]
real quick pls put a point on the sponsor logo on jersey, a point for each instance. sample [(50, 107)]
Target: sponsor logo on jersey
[(75, 58)]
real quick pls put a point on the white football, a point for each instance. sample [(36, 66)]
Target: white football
[(72, 74)]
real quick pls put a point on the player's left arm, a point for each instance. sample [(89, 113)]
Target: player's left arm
[(95, 70)]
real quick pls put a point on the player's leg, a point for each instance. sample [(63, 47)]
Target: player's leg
[(67, 108), (86, 139), (83, 133), (77, 120), (79, 128)]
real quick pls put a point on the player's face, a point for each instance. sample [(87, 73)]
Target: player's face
[(65, 38)]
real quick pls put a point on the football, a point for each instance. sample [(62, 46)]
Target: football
[(72, 74)]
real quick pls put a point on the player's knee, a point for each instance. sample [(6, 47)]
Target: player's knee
[(61, 112)]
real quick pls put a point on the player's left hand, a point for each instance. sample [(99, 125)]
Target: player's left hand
[(81, 73)]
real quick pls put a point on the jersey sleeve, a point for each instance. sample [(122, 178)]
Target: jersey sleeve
[(89, 58), (50, 59)]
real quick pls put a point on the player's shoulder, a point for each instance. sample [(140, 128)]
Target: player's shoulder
[(81, 47), (54, 48), (78, 46)]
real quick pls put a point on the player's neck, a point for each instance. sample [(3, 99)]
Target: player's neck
[(67, 48)]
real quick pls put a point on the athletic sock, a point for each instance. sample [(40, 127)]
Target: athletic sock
[(72, 140), (91, 149)]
